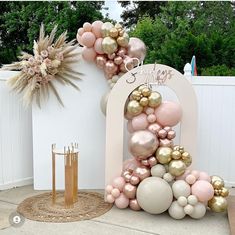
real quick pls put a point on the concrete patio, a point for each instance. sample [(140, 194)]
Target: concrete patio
[(114, 222)]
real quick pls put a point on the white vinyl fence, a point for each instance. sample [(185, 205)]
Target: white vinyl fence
[(216, 145)]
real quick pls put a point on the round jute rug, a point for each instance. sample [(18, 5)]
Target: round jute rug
[(40, 208)]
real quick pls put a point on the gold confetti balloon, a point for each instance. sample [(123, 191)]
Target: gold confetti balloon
[(216, 178), (113, 33), (144, 101), (177, 167), (187, 159), (105, 29), (218, 204), (109, 45), (155, 99), (134, 108), (224, 192), (176, 154), (123, 40), (163, 155)]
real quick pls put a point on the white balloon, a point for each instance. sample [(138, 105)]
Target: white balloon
[(176, 211), (115, 78), (192, 200), (158, 170), (199, 211), (168, 177), (181, 188), (188, 209), (154, 195), (182, 201), (103, 102)]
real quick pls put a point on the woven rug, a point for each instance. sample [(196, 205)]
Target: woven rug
[(40, 208)]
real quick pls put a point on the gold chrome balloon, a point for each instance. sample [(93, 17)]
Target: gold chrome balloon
[(218, 204), (176, 147), (105, 29), (109, 45), (224, 192), (134, 108), (187, 159), (176, 154), (146, 92), (144, 101), (113, 32), (218, 184), (123, 40), (155, 99), (136, 95), (118, 26), (177, 167), (163, 155), (140, 88), (215, 178)]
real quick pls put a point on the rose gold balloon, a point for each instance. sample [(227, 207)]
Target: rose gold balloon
[(129, 190), (130, 164), (110, 67), (100, 61), (108, 75), (171, 135), (134, 180), (152, 161), (118, 60), (122, 68), (127, 177), (167, 128), (165, 143), (143, 144), (129, 63), (126, 172), (136, 48), (154, 128), (111, 56), (162, 134), (122, 52), (145, 162), (142, 172), (134, 205)]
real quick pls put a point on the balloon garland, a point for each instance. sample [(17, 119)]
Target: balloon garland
[(110, 47), (157, 178)]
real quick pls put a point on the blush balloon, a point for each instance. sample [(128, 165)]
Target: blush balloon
[(96, 28), (88, 54), (98, 46), (87, 27), (204, 176), (140, 122), (168, 113), (122, 201), (203, 190), (80, 31), (130, 127), (88, 39), (119, 183)]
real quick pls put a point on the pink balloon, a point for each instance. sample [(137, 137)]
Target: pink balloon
[(88, 54), (119, 183), (182, 177), (203, 190), (151, 118), (195, 173), (130, 127), (98, 46), (190, 179), (100, 61), (204, 176), (149, 110), (88, 39), (109, 188), (136, 48), (87, 27), (80, 31), (96, 28), (110, 198), (140, 122), (168, 113), (130, 164), (115, 192), (79, 39), (122, 201)]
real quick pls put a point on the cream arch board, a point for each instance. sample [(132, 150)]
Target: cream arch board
[(164, 75)]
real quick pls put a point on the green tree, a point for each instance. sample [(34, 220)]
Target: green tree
[(184, 29), (20, 21)]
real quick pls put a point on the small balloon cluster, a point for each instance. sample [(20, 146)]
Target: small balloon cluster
[(110, 47), (157, 178)]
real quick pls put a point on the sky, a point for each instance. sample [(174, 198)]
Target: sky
[(115, 10)]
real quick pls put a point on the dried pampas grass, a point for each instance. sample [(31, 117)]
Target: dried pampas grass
[(51, 61)]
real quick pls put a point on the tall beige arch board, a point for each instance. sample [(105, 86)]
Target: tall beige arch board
[(115, 112)]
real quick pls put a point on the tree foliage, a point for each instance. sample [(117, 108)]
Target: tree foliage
[(20, 21), (184, 29)]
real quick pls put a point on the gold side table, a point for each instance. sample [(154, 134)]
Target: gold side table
[(71, 173)]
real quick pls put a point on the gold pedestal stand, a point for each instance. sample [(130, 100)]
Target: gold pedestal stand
[(71, 174)]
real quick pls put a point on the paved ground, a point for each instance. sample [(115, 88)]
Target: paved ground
[(115, 222)]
